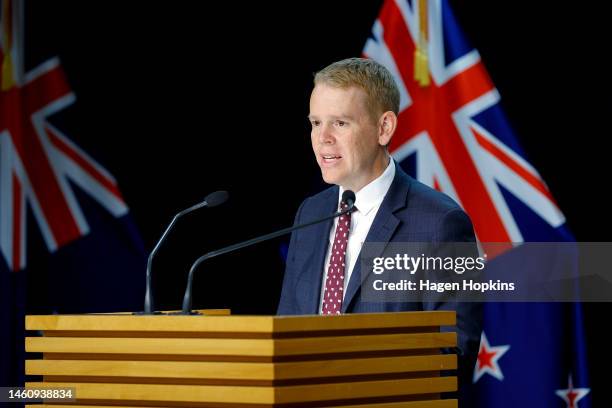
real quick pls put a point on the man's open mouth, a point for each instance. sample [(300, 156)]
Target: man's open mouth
[(330, 158)]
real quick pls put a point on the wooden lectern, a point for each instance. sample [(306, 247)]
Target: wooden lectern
[(386, 360)]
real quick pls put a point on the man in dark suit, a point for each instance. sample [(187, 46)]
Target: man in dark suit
[(353, 113)]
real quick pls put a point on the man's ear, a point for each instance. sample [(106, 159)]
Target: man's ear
[(386, 127)]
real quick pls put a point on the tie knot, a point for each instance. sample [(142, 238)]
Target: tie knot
[(343, 206)]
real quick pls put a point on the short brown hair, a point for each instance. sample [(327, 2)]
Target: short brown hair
[(372, 77)]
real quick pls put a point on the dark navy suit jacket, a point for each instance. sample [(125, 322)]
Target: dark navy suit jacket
[(410, 212)]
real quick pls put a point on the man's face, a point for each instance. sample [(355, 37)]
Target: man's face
[(345, 137)]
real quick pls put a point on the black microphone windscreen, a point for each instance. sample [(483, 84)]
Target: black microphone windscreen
[(348, 197), (216, 198)]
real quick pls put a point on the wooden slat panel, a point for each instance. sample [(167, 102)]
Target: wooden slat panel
[(408, 404), (362, 366), (322, 392), (244, 356), (246, 347), (364, 320), (151, 369), (345, 344), (254, 324), (258, 395), (119, 322), (207, 312), (155, 392), (242, 371)]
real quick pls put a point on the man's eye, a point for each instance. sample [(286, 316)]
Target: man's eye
[(315, 123), (341, 123)]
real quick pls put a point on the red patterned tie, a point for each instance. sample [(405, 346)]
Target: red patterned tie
[(334, 284)]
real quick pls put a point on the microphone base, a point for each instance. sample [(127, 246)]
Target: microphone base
[(143, 313), (191, 313)]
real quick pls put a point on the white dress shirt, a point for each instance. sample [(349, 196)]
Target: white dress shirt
[(367, 201)]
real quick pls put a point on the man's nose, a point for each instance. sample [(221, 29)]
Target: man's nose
[(326, 135)]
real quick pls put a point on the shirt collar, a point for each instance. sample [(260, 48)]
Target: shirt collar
[(373, 193)]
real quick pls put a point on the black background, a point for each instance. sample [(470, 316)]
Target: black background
[(178, 99)]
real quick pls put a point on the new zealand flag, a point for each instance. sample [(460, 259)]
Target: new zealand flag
[(67, 243), (454, 136)]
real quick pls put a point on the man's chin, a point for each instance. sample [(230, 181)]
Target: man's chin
[(332, 179), (329, 178)]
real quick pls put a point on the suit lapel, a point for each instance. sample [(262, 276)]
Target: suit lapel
[(383, 227), (320, 232)]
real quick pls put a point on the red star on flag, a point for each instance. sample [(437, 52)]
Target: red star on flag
[(487, 359), (572, 395)]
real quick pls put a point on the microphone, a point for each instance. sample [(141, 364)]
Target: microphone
[(348, 197), (211, 200)]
